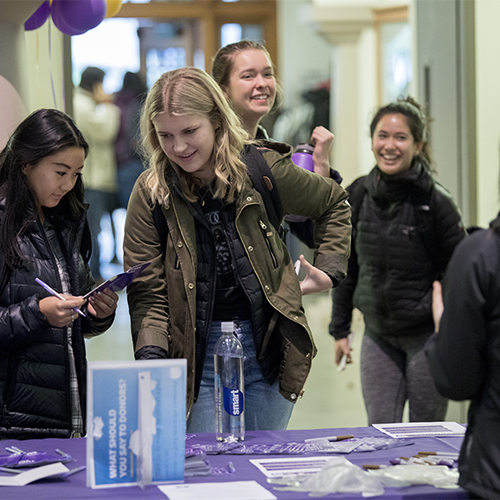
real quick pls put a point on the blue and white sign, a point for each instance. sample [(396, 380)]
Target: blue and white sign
[(136, 419)]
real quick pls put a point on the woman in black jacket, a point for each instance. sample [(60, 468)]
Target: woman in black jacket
[(405, 227), (464, 356), (44, 234)]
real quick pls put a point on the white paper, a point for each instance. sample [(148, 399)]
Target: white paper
[(279, 467), (235, 490), (421, 429), (34, 474)]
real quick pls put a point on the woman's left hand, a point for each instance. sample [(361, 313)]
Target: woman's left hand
[(322, 140), (102, 304), (315, 281)]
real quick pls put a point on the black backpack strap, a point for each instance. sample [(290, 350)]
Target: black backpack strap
[(263, 181), (161, 225)]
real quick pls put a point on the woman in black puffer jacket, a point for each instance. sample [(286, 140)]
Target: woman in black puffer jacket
[(44, 234), (405, 228)]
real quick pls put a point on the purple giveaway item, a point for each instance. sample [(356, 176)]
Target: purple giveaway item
[(18, 458), (120, 281)]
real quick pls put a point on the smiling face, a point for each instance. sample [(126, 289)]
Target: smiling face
[(393, 144), (54, 176), (188, 141), (252, 86)]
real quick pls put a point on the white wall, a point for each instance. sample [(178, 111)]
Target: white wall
[(304, 56), (44, 56), (487, 108)]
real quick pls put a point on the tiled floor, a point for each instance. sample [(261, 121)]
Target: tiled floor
[(331, 399)]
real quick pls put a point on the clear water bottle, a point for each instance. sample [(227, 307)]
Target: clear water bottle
[(229, 386)]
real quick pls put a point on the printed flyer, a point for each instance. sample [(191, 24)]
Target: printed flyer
[(136, 419)]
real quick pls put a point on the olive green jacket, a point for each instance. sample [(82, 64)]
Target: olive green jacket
[(162, 301)]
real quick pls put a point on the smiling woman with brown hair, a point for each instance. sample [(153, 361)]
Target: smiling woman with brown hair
[(405, 228)]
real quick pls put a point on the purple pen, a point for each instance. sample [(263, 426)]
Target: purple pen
[(55, 294)]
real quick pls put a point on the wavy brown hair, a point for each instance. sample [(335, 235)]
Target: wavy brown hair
[(191, 91)]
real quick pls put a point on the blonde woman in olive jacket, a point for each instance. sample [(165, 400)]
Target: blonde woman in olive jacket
[(220, 258)]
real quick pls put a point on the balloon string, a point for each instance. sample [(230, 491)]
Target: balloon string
[(37, 52), (51, 69)]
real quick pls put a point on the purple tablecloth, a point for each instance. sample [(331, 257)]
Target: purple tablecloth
[(74, 487)]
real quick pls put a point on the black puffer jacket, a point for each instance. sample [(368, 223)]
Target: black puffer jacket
[(205, 289), (34, 373), (391, 268), (464, 356)]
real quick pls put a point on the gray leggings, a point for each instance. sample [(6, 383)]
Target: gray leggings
[(394, 370)]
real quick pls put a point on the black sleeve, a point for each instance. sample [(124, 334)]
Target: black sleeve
[(305, 230), (151, 352), (342, 301), (336, 176)]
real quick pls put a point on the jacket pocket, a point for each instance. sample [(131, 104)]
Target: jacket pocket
[(267, 233)]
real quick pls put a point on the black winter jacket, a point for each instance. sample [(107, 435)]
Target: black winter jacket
[(34, 373), (391, 269), (464, 356)]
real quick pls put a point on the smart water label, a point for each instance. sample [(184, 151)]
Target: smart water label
[(233, 401), (136, 420)]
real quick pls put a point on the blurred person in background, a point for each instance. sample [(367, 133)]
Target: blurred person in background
[(99, 120), (405, 227), (127, 143)]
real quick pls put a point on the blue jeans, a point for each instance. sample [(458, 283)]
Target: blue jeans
[(265, 407)]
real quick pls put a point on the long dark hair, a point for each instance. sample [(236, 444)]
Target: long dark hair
[(417, 122), (43, 133)]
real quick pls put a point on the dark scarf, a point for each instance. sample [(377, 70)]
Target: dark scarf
[(385, 188)]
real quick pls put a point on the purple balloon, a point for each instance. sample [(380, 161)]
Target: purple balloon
[(39, 17), (74, 17), (61, 24)]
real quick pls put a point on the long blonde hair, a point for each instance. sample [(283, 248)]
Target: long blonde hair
[(191, 91)]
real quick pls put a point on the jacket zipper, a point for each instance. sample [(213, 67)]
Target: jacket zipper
[(266, 235)]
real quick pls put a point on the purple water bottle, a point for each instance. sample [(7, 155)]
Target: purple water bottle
[(303, 156)]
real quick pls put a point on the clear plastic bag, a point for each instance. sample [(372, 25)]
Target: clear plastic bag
[(337, 476), (440, 476)]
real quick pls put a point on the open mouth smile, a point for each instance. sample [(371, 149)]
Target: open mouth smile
[(186, 157)]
